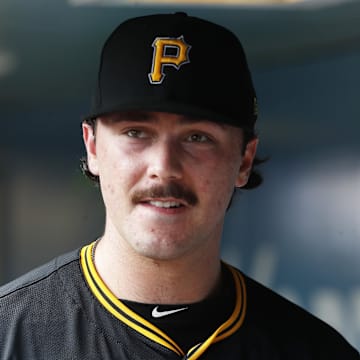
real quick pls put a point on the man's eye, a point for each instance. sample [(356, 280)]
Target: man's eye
[(134, 133), (198, 138)]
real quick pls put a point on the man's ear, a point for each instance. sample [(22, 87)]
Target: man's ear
[(90, 145), (246, 162)]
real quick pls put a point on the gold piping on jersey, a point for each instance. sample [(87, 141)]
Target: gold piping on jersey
[(118, 309)]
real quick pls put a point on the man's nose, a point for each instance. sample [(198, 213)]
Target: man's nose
[(164, 160)]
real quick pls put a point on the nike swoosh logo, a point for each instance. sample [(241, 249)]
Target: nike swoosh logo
[(158, 314)]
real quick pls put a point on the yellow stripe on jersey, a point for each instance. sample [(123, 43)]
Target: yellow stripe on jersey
[(118, 309), (232, 324)]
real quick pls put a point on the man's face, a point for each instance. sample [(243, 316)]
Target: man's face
[(166, 180)]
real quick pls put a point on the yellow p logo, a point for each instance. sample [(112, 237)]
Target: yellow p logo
[(162, 56)]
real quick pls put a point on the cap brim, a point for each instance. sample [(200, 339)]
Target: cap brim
[(169, 107)]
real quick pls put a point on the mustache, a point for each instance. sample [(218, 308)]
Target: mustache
[(170, 190)]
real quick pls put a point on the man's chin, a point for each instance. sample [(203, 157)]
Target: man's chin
[(160, 251)]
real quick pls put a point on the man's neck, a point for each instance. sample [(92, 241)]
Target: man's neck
[(133, 277)]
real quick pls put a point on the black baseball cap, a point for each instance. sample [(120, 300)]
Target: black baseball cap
[(175, 63)]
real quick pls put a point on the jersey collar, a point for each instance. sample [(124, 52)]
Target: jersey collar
[(123, 313)]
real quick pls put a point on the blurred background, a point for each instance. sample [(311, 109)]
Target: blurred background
[(299, 233)]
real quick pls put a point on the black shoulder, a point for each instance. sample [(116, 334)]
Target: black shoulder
[(38, 274), (283, 322)]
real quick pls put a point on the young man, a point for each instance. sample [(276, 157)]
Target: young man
[(169, 137)]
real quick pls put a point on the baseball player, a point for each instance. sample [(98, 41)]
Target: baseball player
[(170, 134)]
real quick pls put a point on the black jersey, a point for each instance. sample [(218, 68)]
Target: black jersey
[(63, 310)]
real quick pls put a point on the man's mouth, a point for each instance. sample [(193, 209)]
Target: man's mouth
[(165, 204)]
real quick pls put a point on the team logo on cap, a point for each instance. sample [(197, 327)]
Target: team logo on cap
[(167, 52)]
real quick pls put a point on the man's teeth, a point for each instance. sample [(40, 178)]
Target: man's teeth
[(165, 204)]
